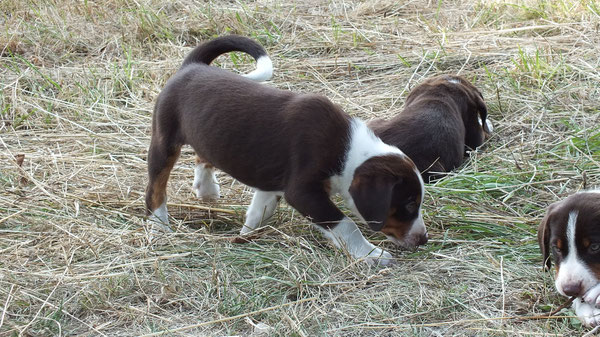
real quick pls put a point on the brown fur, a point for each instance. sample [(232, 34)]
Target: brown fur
[(156, 192), (380, 176), (270, 139), (552, 231), (439, 121)]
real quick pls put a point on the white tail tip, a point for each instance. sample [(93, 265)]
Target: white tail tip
[(263, 71)]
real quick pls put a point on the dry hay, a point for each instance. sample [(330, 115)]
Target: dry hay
[(78, 80)]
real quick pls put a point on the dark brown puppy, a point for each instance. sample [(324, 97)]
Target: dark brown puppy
[(442, 117), (301, 147), (570, 234)]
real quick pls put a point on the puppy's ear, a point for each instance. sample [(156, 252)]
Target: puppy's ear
[(372, 196), (544, 237)]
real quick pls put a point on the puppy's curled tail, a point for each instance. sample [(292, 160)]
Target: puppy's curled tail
[(210, 50)]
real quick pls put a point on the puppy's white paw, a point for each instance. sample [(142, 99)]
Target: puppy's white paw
[(158, 221), (587, 313), (346, 235), (246, 229), (156, 226), (592, 297), (379, 257), (207, 191)]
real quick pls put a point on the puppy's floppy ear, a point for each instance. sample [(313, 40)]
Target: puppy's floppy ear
[(544, 237), (372, 196)]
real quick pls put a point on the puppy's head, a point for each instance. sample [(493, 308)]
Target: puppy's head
[(387, 192), (570, 235), (468, 100)]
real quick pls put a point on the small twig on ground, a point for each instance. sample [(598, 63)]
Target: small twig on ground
[(553, 312), (244, 239), (231, 318), (592, 332), (564, 305)]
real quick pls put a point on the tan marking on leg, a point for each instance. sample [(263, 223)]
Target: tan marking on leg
[(157, 185), (200, 160)]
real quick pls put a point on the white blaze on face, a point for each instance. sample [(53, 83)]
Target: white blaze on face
[(418, 227), (572, 270)]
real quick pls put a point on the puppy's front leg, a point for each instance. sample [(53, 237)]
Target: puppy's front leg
[(346, 235), (587, 313), (592, 296), (313, 201)]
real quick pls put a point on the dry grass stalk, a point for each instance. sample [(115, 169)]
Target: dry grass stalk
[(77, 85)]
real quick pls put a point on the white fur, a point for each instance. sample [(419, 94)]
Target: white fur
[(490, 126), (346, 235), (261, 208), (263, 71), (587, 313), (159, 219), (488, 123), (205, 183), (586, 307), (572, 269), (363, 145), (592, 296), (454, 80), (418, 227)]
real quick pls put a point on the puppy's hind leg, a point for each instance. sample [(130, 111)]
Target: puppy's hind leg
[(161, 159), (261, 208), (205, 182)]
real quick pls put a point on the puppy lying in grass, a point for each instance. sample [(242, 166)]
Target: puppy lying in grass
[(442, 117), (569, 234)]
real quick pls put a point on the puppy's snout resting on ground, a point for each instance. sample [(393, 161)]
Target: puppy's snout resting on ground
[(298, 146), (569, 234)]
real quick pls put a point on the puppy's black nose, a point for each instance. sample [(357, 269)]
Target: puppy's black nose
[(572, 289), (423, 239)]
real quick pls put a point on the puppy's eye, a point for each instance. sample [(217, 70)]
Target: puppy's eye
[(594, 248), (557, 250), (412, 207)]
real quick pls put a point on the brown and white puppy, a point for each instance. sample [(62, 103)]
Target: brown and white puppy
[(570, 230), (442, 117), (299, 146)]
